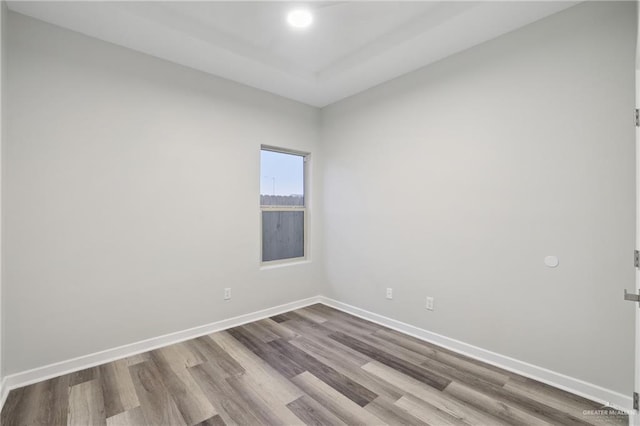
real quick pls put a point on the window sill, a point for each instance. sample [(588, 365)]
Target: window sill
[(267, 266)]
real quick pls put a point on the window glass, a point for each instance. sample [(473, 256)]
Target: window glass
[(282, 179), (282, 200), (282, 235)]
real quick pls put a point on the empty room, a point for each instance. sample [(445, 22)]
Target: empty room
[(319, 213)]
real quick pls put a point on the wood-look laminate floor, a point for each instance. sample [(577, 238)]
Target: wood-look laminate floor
[(315, 366)]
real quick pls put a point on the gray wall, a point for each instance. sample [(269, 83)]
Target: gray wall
[(3, 76), (456, 180), (131, 196)]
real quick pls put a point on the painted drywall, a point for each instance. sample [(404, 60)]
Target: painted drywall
[(130, 188), (455, 182), (3, 74), (131, 196)]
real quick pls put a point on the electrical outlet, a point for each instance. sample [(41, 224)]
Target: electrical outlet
[(429, 303), (389, 293), (227, 294)]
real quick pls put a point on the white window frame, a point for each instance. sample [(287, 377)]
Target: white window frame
[(304, 209)]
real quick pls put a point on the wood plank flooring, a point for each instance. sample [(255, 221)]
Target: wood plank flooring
[(314, 366)]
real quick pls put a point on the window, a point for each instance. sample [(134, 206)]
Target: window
[(283, 204)]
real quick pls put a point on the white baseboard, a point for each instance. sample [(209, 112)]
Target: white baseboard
[(558, 380), (46, 372), (570, 384), (4, 392)]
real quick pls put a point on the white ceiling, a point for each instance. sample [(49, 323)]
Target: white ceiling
[(350, 47)]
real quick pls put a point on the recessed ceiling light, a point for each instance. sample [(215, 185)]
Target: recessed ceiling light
[(300, 18)]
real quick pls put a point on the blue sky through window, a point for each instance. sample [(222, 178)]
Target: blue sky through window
[(281, 174)]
